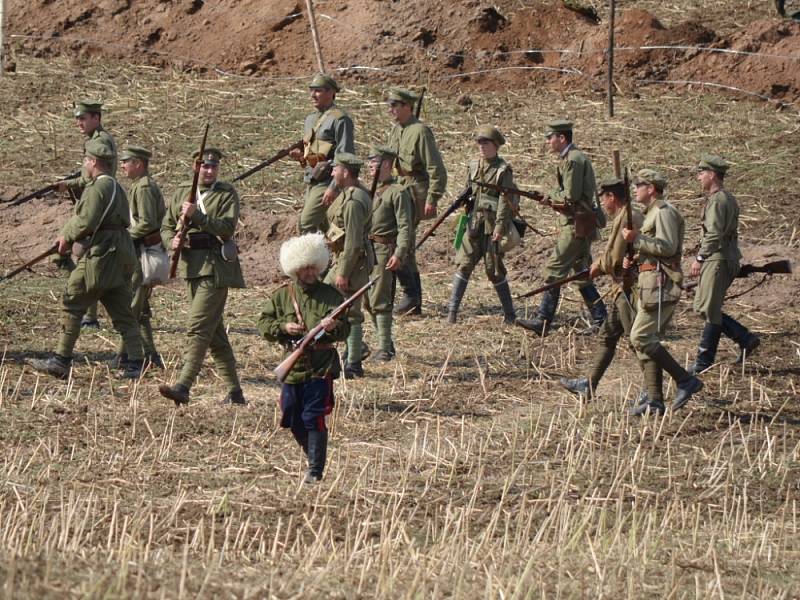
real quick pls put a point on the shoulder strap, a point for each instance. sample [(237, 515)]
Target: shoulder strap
[(297, 312), (108, 208)]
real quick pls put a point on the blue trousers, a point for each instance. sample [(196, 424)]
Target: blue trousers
[(305, 405)]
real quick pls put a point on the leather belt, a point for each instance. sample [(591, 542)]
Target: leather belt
[(644, 267), (383, 239)]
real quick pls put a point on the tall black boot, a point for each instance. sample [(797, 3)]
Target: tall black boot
[(596, 306), (411, 302), (317, 454), (545, 315), (740, 334), (504, 294), (301, 437), (686, 384), (652, 399), (459, 287), (707, 350)]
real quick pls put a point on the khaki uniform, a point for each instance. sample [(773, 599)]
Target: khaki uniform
[(490, 214), (720, 249), (326, 134), (147, 212), (208, 276), (391, 235), (106, 267), (576, 189)]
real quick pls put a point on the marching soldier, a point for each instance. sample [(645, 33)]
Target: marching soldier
[(659, 245), (419, 166), (326, 132), (347, 232), (489, 222), (615, 198), (391, 237), (577, 228), (147, 212), (210, 265), (307, 392), (717, 264), (98, 234), (88, 117)]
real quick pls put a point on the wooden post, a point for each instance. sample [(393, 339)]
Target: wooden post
[(617, 164), (610, 58), (2, 35), (312, 21)]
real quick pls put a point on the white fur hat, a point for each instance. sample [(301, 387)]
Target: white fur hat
[(304, 251)]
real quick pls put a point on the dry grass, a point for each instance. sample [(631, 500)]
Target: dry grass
[(460, 470)]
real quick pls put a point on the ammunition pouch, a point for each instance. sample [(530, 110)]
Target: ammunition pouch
[(229, 251), (200, 241), (334, 238), (151, 239), (321, 171), (511, 239), (80, 247), (585, 223)]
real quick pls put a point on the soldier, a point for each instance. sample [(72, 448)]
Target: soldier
[(326, 132), (294, 309), (659, 245), (489, 221), (419, 167), (391, 237), (98, 234), (147, 212), (615, 199), (577, 228), (88, 117), (717, 264), (210, 265), (348, 229)]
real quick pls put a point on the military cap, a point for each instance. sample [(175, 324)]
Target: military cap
[(321, 80), (347, 159), (211, 156), (384, 151), (87, 106), (608, 183), (489, 132), (560, 126), (99, 149), (135, 152), (398, 94), (712, 162), (651, 177)]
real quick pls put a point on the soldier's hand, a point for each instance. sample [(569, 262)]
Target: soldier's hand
[(393, 263), (61, 187), (343, 283), (627, 263), (63, 246), (296, 154), (328, 197), (430, 210), (175, 243), (188, 209), (294, 328), (496, 236), (328, 324), (629, 235), (696, 267), (594, 270)]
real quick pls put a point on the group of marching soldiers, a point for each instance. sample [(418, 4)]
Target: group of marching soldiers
[(353, 238)]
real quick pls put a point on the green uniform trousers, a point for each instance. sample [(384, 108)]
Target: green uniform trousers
[(381, 295), (473, 249), (619, 322), (646, 331), (140, 306), (117, 301), (570, 255), (207, 331), (313, 213), (716, 277), (355, 316)]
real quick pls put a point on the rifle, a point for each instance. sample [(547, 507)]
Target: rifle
[(48, 189), (534, 195), (629, 251), (579, 275), (303, 344), (463, 198), (514, 211), (777, 267), (269, 161), (183, 224), (419, 103), (51, 250)]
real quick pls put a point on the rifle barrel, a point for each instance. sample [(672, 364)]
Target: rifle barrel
[(263, 165), (39, 257), (579, 275), (43, 191)]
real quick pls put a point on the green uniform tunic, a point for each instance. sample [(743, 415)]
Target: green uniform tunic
[(576, 188), (490, 214), (147, 213), (77, 185), (720, 250), (208, 276), (326, 134), (315, 302), (104, 271), (391, 234)]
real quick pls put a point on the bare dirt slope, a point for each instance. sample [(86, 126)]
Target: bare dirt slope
[(466, 44)]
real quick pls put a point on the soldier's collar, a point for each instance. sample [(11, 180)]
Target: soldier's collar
[(566, 150)]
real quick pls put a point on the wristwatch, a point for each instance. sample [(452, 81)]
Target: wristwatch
[(700, 258)]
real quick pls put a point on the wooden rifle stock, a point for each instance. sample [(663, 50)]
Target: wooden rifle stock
[(263, 165), (302, 345), (463, 198), (777, 267), (534, 195), (579, 275), (183, 225), (43, 191), (39, 257), (514, 209)]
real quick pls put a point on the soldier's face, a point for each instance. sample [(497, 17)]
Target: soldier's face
[(307, 274), (87, 123), (706, 178), (133, 168), (339, 175), (609, 201), (556, 143), (208, 173), (487, 148), (400, 111), (645, 193), (322, 98), (379, 164)]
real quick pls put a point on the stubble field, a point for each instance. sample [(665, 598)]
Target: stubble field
[(461, 469)]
